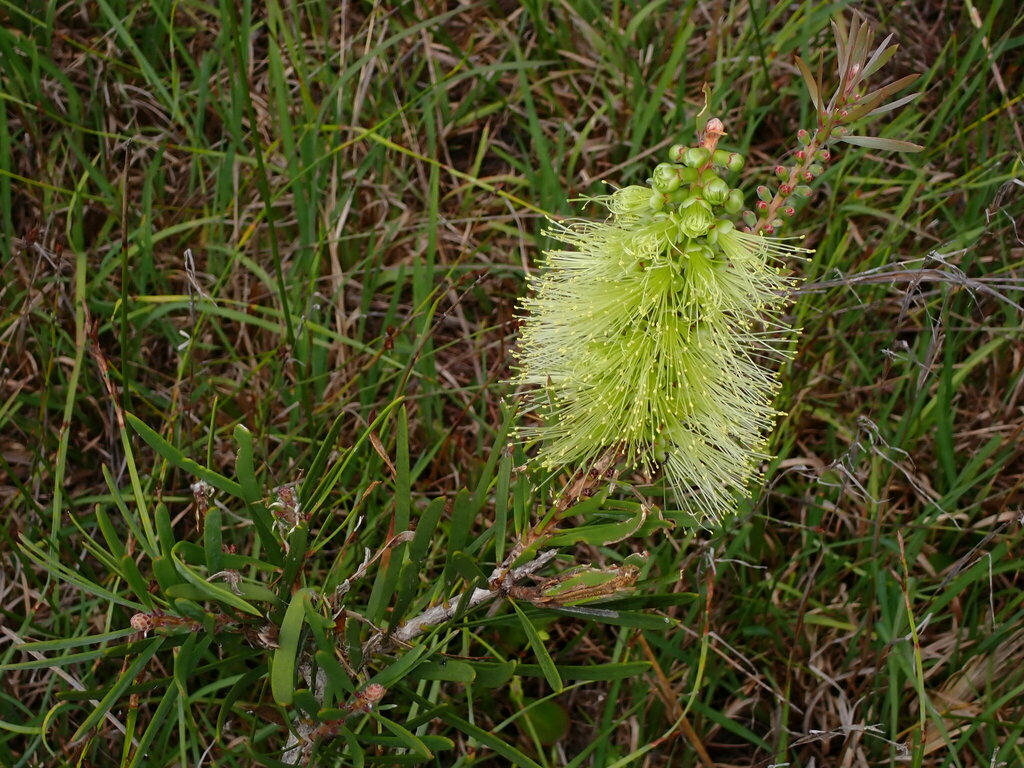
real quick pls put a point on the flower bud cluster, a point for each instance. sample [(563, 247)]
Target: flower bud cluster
[(773, 207)]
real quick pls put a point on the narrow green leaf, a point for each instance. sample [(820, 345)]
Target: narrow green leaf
[(355, 750), (617, 618), (213, 544), (493, 674), (448, 670), (425, 528), (166, 574), (400, 668), (488, 739), (110, 535), (403, 481), (875, 142), (132, 575), (182, 462), (338, 683), (621, 671), (903, 100), (164, 529), (501, 505), (313, 486), (812, 85), (282, 664), (408, 739), (159, 723), (466, 567), (39, 646), (252, 492), (880, 57), (213, 591), (118, 687), (463, 514), (547, 664), (245, 466)]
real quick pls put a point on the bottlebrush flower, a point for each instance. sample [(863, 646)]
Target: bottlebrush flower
[(650, 333)]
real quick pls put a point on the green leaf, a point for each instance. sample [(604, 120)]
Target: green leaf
[(501, 505), (547, 664), (338, 683), (812, 85), (312, 487), (126, 678), (406, 737), (600, 534), (282, 664), (400, 668), (593, 672), (875, 142), (466, 567), (245, 466), (213, 544), (182, 462), (211, 590), (488, 739), (252, 493), (39, 646), (447, 670), (494, 674), (617, 618), (140, 586)]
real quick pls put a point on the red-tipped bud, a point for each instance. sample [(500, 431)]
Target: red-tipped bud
[(789, 211), (824, 155), (800, 154), (761, 205), (780, 171), (785, 189), (843, 114), (768, 229), (764, 193), (749, 218), (803, 137), (808, 176)]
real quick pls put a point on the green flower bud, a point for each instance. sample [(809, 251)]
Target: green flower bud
[(716, 191), (764, 194), (725, 159), (696, 156), (749, 218), (677, 153), (734, 203), (657, 201), (666, 178)]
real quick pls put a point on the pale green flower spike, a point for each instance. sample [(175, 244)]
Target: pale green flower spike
[(649, 333)]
